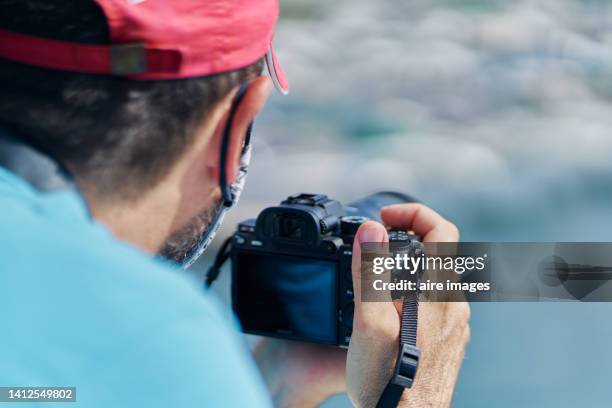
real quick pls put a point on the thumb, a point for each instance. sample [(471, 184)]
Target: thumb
[(369, 232)]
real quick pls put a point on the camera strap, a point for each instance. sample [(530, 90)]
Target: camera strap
[(408, 355), (222, 255)]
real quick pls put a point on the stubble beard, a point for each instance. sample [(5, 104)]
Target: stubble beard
[(181, 243)]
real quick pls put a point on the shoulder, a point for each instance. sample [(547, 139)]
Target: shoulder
[(81, 308)]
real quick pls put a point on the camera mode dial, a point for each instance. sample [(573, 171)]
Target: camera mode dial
[(349, 225)]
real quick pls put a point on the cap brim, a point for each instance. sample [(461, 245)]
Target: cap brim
[(276, 72)]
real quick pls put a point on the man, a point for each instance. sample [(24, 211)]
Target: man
[(111, 156)]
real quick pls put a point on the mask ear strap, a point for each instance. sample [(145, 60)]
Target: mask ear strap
[(226, 192), (247, 138)]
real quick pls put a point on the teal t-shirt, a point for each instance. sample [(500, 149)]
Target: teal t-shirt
[(79, 308)]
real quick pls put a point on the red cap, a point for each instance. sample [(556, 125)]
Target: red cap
[(161, 39)]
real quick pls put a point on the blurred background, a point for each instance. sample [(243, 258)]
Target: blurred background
[(498, 114)]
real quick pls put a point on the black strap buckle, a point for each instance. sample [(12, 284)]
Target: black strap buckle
[(406, 366)]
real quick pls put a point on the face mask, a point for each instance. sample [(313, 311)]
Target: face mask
[(230, 193)]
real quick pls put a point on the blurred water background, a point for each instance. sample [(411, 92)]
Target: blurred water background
[(496, 113)]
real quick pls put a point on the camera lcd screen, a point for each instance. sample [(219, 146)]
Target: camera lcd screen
[(288, 297)]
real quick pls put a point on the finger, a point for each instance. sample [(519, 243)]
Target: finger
[(424, 221), (370, 231), (376, 327)]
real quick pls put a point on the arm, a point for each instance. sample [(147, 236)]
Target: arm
[(301, 375)]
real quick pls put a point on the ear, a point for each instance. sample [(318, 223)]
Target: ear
[(251, 104)]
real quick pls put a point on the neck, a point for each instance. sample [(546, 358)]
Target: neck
[(145, 223), (148, 221)]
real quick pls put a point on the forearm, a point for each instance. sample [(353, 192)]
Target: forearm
[(300, 375)]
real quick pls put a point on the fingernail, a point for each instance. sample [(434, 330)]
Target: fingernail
[(372, 233)]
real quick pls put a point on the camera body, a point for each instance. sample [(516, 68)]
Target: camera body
[(291, 267)]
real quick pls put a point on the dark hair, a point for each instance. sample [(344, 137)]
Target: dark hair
[(119, 136)]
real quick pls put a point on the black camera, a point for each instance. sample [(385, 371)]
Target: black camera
[(291, 267)]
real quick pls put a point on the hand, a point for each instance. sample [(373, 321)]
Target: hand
[(301, 374), (443, 329)]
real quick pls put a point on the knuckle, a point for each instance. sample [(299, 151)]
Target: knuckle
[(453, 231)]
